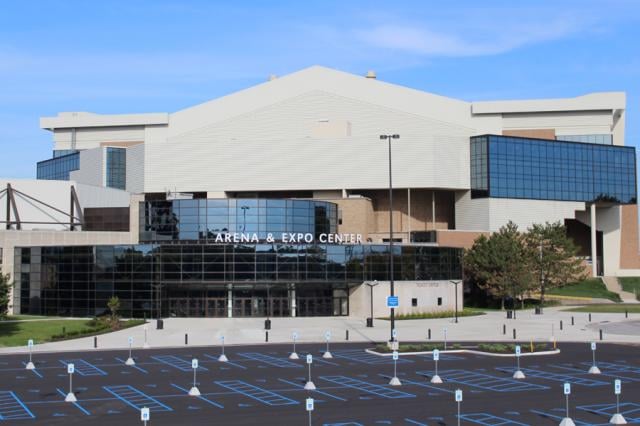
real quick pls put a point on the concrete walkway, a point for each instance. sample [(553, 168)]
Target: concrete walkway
[(242, 331), (614, 285)]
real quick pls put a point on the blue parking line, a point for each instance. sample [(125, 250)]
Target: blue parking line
[(34, 371), (367, 387), (359, 355), (421, 384), (264, 396), (132, 366), (559, 418), (486, 419), (83, 367), (321, 360), (269, 360), (557, 377), (215, 404), (616, 367), (579, 371), (343, 424), (12, 408), (298, 385), (176, 362), (224, 363), (485, 381), (80, 407), (630, 410), (136, 398), (415, 422)]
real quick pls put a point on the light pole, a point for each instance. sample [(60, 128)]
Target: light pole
[(391, 287), (455, 283), (371, 286), (244, 218)]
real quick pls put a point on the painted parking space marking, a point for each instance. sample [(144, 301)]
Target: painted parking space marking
[(136, 398), (606, 373), (200, 397), (415, 422), (259, 394), (485, 381), (370, 388), (486, 419), (318, 391), (630, 410), (133, 366), (557, 377), (359, 355), (222, 364), (269, 360), (559, 418), (77, 404), (176, 362), (12, 408), (84, 368), (34, 371), (612, 366), (420, 384)]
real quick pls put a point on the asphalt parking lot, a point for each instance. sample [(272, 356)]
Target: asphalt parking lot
[(260, 385)]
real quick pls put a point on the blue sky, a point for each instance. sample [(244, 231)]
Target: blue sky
[(161, 56)]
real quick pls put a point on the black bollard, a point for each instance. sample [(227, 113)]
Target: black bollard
[(266, 336), (504, 329), (560, 324), (95, 341), (64, 330), (626, 313), (589, 316), (429, 335), (572, 321), (600, 334), (514, 334), (186, 339), (346, 335)]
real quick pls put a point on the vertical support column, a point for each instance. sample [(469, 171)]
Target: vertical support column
[(292, 297), (229, 301), (594, 241), (408, 214), (433, 209)]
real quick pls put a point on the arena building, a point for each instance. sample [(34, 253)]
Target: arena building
[(275, 200)]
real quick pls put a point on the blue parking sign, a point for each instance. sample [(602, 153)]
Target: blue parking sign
[(392, 302)]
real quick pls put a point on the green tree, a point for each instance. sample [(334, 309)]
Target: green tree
[(500, 263), (114, 307), (554, 253), (5, 290)]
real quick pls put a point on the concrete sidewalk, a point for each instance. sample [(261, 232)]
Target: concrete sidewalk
[(243, 331)]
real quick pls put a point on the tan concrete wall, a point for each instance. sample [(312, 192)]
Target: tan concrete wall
[(629, 252), (461, 239), (532, 133)]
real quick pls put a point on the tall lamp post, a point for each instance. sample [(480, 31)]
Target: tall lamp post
[(371, 286), (391, 287), (455, 283)]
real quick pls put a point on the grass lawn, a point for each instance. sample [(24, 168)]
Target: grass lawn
[(18, 333), (593, 287), (466, 312), (500, 348), (631, 284), (607, 309)]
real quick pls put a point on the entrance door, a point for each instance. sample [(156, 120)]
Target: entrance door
[(216, 307), (242, 306)]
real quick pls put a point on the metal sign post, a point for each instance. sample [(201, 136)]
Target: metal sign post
[(194, 391), (309, 385), (594, 368), (146, 343), (130, 360), (436, 357), (70, 396), (327, 337), (394, 380), (458, 401), (309, 406), (445, 339), (518, 373), (222, 357), (145, 415), (30, 364), (567, 420), (294, 354), (617, 418)]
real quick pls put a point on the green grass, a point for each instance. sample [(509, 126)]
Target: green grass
[(607, 309), (18, 333), (631, 284), (593, 287), (415, 347), (30, 317), (501, 348), (433, 315)]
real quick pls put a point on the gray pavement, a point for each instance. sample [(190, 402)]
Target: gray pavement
[(242, 331)]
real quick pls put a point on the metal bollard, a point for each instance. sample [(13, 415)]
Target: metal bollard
[(266, 336), (504, 329), (572, 321), (64, 330), (589, 316), (514, 334), (626, 313), (560, 324), (95, 341), (346, 335), (429, 335), (186, 339), (600, 334)]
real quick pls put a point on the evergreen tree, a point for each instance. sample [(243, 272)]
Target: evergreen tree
[(5, 290)]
